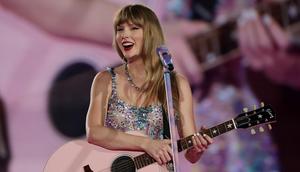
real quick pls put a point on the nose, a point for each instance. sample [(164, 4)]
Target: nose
[(125, 33)]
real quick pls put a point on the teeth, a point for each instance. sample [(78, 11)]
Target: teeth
[(127, 44)]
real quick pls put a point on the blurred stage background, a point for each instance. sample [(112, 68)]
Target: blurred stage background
[(48, 59)]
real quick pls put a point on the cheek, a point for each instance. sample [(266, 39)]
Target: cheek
[(140, 40), (118, 42)]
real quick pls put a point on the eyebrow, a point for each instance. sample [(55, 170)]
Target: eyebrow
[(130, 24)]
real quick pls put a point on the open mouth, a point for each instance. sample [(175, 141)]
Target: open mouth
[(127, 45)]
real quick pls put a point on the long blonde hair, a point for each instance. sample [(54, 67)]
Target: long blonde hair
[(154, 87)]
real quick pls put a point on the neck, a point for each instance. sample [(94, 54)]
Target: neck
[(136, 68)]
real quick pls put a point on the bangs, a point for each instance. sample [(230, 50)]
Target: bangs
[(129, 14)]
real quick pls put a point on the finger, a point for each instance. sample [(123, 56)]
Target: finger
[(247, 39), (208, 139), (203, 142), (169, 150), (157, 159), (162, 157), (167, 156), (279, 35), (196, 146), (265, 43), (198, 143), (203, 127), (253, 49)]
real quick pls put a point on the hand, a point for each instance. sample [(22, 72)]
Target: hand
[(160, 150), (201, 143), (264, 45), (261, 39), (185, 61)]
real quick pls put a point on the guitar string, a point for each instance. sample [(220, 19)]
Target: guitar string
[(125, 165)]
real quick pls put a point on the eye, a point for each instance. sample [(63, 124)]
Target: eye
[(120, 29), (135, 28)]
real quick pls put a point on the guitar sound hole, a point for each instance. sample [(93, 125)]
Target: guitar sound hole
[(123, 164)]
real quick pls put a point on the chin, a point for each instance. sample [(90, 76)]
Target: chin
[(131, 56)]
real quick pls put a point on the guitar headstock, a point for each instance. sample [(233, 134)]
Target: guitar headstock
[(262, 115)]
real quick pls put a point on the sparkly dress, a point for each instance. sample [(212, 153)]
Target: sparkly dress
[(125, 117)]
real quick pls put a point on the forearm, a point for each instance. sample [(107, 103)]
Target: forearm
[(115, 140), (90, 20)]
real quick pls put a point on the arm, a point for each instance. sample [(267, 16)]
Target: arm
[(112, 139), (91, 20), (84, 19), (188, 122), (97, 133)]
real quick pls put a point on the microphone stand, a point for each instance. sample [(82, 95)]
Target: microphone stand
[(171, 117)]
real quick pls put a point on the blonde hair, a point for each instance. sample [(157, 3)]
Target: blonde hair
[(154, 87)]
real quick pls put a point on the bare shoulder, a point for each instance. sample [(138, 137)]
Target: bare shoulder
[(102, 82), (103, 77)]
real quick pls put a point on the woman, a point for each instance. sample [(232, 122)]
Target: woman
[(131, 97)]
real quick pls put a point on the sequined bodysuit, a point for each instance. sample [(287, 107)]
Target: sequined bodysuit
[(125, 117)]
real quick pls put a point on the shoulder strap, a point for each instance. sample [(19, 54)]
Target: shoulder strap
[(113, 80), (111, 71)]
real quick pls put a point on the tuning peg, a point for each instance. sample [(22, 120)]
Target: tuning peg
[(261, 129), (270, 126), (262, 104), (254, 107), (245, 109), (253, 131)]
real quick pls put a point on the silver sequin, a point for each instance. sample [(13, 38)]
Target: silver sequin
[(125, 117)]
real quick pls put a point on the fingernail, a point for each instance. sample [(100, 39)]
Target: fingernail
[(266, 19), (242, 20), (251, 14), (246, 16)]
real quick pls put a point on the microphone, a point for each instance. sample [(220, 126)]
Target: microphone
[(165, 57)]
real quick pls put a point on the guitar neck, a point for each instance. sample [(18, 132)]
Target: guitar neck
[(219, 45), (217, 130), (185, 143), (263, 115)]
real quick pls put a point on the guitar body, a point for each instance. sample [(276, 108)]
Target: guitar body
[(76, 155), (80, 156)]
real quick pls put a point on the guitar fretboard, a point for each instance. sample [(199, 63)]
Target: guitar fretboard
[(143, 160), (211, 132), (185, 143), (219, 45)]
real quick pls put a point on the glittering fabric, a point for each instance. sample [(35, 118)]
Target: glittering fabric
[(125, 117)]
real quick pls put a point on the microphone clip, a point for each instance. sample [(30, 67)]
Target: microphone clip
[(165, 57)]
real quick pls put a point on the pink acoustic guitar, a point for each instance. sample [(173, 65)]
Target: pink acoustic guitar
[(80, 156)]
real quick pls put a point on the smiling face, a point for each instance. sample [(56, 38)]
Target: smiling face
[(137, 34), (129, 38)]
